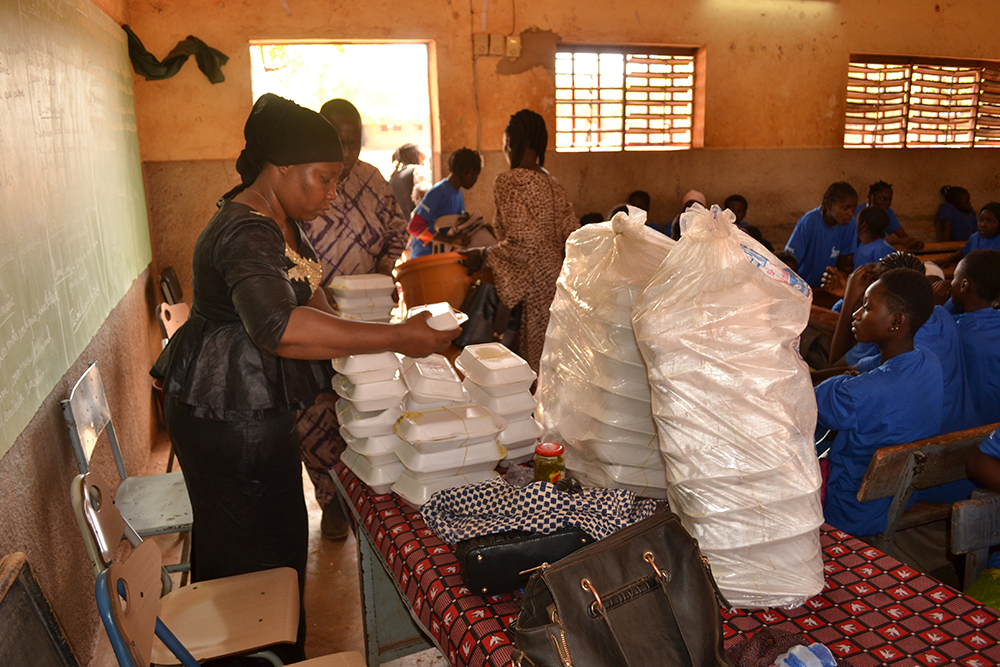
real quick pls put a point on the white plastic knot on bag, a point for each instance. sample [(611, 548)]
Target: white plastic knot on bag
[(734, 409)]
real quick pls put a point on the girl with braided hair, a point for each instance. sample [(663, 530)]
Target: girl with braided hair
[(533, 219)]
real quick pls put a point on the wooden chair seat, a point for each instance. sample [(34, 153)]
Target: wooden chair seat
[(155, 504), (232, 615), (924, 513)]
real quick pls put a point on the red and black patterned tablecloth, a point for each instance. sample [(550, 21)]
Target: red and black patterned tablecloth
[(872, 611)]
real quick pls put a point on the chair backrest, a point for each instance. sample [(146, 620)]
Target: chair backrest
[(171, 317), (128, 598), (931, 462), (170, 286), (87, 415), (101, 525)]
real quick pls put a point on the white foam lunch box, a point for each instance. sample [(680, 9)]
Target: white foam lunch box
[(378, 448), (448, 427), (366, 424), (411, 404), (379, 477), (495, 369), (467, 458), (364, 304), (365, 368), (432, 379), (372, 396), (369, 285), (417, 492), (512, 407), (443, 316)]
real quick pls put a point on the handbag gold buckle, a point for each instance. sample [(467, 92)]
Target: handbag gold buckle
[(595, 606), (660, 574)]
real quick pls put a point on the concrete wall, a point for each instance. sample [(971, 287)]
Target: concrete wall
[(776, 73)]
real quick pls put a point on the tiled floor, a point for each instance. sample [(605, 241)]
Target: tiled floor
[(333, 597)]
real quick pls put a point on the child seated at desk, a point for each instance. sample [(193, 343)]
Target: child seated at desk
[(956, 219), (987, 236), (824, 237), (974, 288), (872, 223), (897, 402), (880, 195)]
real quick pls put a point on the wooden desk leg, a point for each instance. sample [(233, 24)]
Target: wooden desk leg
[(390, 631)]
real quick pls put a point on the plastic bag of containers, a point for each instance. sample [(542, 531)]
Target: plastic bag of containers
[(735, 410), (593, 393)]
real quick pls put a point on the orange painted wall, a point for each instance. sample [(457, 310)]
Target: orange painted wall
[(774, 96)]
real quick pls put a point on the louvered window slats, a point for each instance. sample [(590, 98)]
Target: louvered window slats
[(913, 105)]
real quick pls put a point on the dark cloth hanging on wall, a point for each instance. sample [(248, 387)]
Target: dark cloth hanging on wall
[(210, 61)]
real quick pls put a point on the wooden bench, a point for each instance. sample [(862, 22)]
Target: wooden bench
[(899, 470), (975, 527)]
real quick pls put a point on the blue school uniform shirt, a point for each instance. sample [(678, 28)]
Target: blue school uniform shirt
[(442, 199), (979, 333), (979, 242), (893, 220), (991, 445), (939, 336), (872, 252), (898, 402), (963, 225), (817, 246)]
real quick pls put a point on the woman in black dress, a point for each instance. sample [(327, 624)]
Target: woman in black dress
[(257, 347)]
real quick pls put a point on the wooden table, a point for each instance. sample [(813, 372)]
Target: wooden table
[(872, 611)]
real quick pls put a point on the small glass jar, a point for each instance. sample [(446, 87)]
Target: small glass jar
[(550, 462)]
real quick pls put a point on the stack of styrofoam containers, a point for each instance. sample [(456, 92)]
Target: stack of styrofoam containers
[(593, 390), (366, 297), (446, 447), (500, 381), (370, 390)]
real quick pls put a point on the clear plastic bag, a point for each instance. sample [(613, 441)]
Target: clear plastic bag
[(718, 327), (593, 391)]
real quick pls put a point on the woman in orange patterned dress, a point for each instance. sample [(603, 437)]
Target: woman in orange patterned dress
[(533, 219)]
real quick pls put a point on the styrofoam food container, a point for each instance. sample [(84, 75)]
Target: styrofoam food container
[(432, 379), (375, 447), (365, 368), (366, 424), (365, 304), (448, 427), (417, 492), (453, 460), (443, 316), (379, 477), (512, 407), (372, 396), (607, 405), (624, 453), (520, 433), (496, 369), (380, 316), (637, 480), (367, 285), (411, 404), (617, 368)]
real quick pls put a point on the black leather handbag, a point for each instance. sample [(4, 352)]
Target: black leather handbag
[(503, 562), (643, 596), (490, 321)]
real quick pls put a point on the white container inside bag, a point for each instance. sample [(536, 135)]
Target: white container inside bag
[(642, 482), (366, 424), (379, 477), (373, 446), (443, 316), (624, 453), (468, 458), (497, 370), (448, 427), (585, 427), (512, 407), (369, 285), (417, 492), (432, 379), (372, 396), (366, 368)]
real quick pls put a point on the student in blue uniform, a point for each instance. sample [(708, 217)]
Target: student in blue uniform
[(900, 401), (872, 223), (880, 195), (987, 236), (824, 236), (984, 464), (956, 219), (444, 198), (974, 288), (738, 205)]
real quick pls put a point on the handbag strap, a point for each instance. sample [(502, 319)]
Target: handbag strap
[(619, 651)]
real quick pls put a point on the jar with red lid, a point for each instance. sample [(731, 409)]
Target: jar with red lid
[(550, 462)]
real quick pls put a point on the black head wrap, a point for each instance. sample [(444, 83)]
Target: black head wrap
[(281, 132)]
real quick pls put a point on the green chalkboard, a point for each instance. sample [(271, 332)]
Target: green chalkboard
[(73, 227)]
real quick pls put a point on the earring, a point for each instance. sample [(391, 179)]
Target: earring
[(894, 328)]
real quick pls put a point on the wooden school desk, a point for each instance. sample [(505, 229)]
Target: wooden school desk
[(872, 611)]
